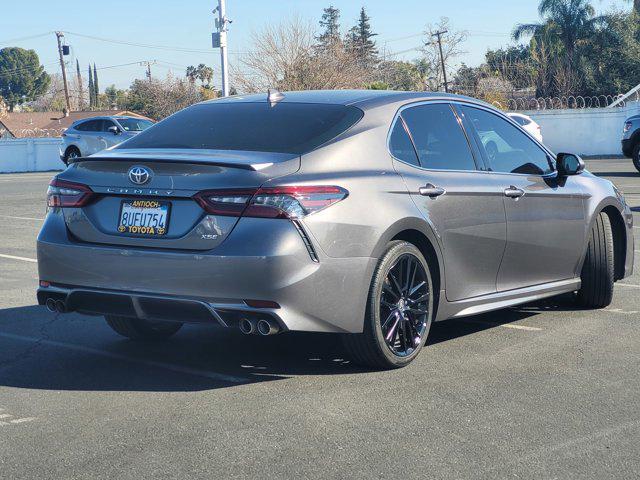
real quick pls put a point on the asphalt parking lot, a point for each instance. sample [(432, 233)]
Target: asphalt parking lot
[(541, 391)]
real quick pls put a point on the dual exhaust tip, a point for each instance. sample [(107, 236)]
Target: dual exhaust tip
[(56, 306), (262, 327)]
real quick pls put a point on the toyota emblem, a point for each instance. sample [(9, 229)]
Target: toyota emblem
[(139, 175)]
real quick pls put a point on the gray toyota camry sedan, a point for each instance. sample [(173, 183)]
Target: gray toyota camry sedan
[(369, 214)]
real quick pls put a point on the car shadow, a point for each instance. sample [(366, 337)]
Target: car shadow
[(617, 174), (39, 350)]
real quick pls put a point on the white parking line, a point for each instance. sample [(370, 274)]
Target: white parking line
[(23, 259), (630, 285), (116, 356), (22, 218)]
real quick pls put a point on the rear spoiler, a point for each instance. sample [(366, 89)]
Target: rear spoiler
[(243, 166)]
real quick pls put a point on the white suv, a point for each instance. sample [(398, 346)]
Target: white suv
[(91, 135)]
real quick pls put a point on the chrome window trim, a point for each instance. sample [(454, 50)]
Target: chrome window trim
[(435, 101), (474, 104), (550, 155)]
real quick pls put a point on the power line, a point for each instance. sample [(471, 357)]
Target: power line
[(21, 39), (141, 45)]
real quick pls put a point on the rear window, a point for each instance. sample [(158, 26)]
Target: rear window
[(284, 127)]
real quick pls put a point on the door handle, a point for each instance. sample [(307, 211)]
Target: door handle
[(430, 190), (513, 192)]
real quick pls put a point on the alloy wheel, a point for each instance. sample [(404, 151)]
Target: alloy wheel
[(404, 305)]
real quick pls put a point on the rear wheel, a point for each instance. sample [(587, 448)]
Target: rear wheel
[(636, 156), (139, 329), (598, 270), (399, 310), (71, 153)]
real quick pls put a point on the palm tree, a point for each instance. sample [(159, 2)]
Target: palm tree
[(570, 21)]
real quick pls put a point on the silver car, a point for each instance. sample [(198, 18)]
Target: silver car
[(89, 136), (362, 213)]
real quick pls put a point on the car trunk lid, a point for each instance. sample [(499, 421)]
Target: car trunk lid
[(174, 176)]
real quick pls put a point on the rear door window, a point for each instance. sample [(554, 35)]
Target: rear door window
[(90, 126), (401, 146), (506, 148), (438, 137)]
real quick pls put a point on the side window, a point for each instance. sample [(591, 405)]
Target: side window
[(507, 149), (90, 126), (106, 124), (401, 146), (439, 139)]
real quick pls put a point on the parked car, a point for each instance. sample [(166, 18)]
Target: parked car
[(368, 214), (631, 140), (528, 124), (92, 135)]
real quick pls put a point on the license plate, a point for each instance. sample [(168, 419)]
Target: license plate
[(149, 218)]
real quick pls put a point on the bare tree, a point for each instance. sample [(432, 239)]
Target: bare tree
[(158, 99), (451, 48), (286, 57)]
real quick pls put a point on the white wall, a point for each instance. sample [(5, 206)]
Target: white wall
[(590, 131), (30, 155)]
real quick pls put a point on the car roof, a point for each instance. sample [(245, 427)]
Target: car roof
[(360, 98), (105, 117)]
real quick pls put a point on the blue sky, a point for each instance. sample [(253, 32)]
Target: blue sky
[(188, 25)]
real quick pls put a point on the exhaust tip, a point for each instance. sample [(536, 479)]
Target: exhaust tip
[(50, 304), (267, 327), (60, 306), (247, 326)]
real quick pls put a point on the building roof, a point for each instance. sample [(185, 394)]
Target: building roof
[(48, 124)]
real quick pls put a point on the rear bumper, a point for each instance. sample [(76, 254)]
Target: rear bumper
[(262, 259)]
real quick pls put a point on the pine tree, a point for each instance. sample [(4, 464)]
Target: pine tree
[(331, 28), (92, 102), (80, 90), (359, 39), (96, 88)]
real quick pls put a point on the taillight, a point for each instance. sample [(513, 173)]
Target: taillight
[(627, 127), (68, 194), (224, 202), (270, 202)]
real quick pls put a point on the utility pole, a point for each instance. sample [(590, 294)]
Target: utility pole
[(59, 36), (444, 68), (220, 41), (148, 65)]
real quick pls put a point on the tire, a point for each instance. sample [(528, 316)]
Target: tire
[(139, 329), (635, 156), (71, 152), (598, 272), (370, 348)]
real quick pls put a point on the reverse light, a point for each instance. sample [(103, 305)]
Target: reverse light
[(62, 193), (271, 202)]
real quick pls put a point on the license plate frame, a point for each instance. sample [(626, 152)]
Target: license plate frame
[(142, 231)]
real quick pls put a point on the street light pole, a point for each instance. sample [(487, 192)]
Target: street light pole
[(222, 29)]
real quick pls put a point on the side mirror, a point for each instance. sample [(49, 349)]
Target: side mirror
[(113, 129), (569, 164)]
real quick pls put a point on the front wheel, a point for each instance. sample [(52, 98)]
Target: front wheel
[(636, 156), (139, 329), (598, 272), (399, 310)]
